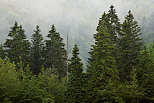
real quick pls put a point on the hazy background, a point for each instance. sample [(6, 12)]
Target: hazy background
[(77, 17)]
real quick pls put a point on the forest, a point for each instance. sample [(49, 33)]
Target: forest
[(119, 69)]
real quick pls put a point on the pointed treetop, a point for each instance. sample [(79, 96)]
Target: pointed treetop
[(104, 15), (14, 28), (75, 49), (16, 24), (53, 29), (75, 62), (37, 29), (129, 12), (111, 6), (130, 15), (112, 10)]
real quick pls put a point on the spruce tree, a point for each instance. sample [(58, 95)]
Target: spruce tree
[(36, 51), (130, 46), (17, 46), (102, 67), (114, 24), (55, 53), (75, 92), (114, 27)]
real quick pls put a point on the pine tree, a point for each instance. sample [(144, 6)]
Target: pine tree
[(114, 24), (114, 27), (55, 53), (102, 66), (36, 51), (17, 46), (75, 92), (130, 46)]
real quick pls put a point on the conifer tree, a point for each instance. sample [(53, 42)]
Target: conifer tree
[(36, 51), (75, 92), (17, 46), (114, 24), (114, 27), (55, 53), (102, 66), (130, 46)]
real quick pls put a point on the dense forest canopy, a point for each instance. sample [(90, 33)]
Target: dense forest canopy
[(120, 65)]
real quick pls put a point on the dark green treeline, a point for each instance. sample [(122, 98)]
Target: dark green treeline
[(120, 69)]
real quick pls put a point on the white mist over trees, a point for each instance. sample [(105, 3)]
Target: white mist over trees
[(77, 18), (120, 66)]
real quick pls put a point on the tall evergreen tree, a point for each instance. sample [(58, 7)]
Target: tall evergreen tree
[(114, 27), (36, 51), (55, 53), (75, 92), (102, 67), (130, 45), (17, 46), (114, 24)]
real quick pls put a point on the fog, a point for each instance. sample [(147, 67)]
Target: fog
[(78, 18)]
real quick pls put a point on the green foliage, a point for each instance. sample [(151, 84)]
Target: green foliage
[(9, 82), (130, 46), (75, 92), (132, 91), (102, 68), (55, 53), (32, 89), (36, 51), (146, 74), (112, 93), (56, 87), (2, 52), (148, 85), (17, 45), (114, 26), (150, 48), (21, 87)]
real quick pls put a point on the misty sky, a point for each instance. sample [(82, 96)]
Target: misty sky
[(77, 17)]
